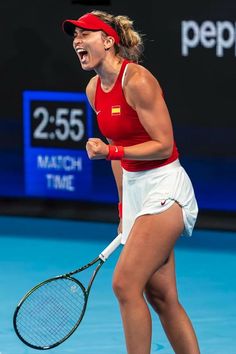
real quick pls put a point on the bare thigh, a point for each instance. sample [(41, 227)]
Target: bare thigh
[(149, 245)]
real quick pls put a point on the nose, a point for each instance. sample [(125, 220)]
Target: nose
[(77, 39)]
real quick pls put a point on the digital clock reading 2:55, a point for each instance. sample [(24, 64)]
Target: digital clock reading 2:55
[(56, 128), (59, 124)]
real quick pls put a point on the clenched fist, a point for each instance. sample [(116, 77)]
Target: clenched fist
[(96, 149)]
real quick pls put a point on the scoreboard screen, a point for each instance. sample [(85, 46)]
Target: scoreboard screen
[(56, 128)]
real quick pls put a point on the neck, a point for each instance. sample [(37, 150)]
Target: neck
[(108, 72)]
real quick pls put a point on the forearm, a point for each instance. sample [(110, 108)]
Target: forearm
[(118, 174), (150, 150)]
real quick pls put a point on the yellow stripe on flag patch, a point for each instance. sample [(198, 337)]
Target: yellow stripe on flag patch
[(115, 110)]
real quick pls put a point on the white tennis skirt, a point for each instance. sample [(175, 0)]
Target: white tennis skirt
[(156, 190)]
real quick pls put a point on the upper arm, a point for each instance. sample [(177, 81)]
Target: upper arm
[(90, 91), (144, 94)]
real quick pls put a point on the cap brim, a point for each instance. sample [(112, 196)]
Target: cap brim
[(69, 26), (89, 22)]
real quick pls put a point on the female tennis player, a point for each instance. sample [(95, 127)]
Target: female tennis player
[(156, 194)]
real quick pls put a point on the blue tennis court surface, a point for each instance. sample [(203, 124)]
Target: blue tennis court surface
[(34, 249)]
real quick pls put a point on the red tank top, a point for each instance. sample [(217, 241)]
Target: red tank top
[(119, 122)]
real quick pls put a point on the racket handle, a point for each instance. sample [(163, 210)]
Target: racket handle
[(105, 254)]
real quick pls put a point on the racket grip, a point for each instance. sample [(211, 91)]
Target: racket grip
[(105, 254)]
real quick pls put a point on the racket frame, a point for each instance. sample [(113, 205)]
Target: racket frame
[(103, 256)]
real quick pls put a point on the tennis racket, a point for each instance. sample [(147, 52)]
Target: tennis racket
[(51, 311)]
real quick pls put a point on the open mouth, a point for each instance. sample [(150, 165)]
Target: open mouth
[(83, 54)]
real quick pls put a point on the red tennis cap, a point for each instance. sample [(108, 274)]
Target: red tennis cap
[(90, 22)]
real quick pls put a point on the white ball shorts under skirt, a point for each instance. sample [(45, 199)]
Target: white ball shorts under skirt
[(156, 190)]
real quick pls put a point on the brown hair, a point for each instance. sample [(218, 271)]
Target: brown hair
[(131, 43)]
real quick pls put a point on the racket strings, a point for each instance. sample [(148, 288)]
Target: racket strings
[(56, 311), (51, 312)]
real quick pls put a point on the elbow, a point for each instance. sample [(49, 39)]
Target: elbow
[(167, 150)]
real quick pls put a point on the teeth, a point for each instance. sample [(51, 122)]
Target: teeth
[(79, 50), (82, 54)]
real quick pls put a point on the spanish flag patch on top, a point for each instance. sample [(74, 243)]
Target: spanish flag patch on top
[(115, 110)]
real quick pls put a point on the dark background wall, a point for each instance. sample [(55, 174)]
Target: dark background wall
[(193, 61)]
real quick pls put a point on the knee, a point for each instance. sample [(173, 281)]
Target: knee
[(123, 288), (162, 302)]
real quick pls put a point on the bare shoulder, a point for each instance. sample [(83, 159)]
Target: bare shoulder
[(139, 80), (137, 74), (91, 89)]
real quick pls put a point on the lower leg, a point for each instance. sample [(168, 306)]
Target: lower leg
[(161, 292), (137, 325), (179, 330)]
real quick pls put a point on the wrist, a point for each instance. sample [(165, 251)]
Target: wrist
[(120, 209), (115, 152)]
